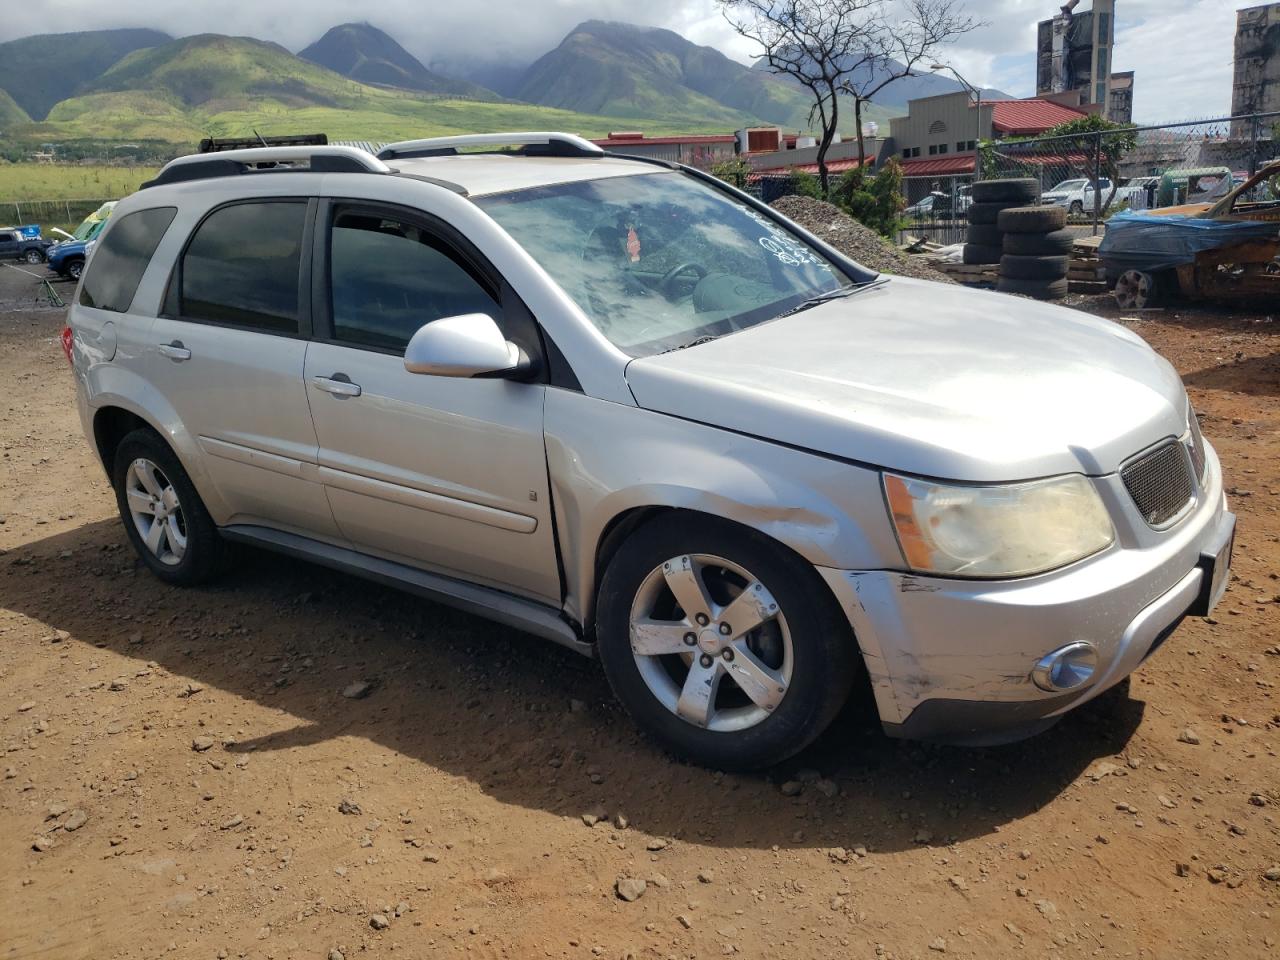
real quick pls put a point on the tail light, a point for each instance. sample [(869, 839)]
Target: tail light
[(67, 337)]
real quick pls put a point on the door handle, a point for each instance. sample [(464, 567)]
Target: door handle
[(175, 351), (339, 385)]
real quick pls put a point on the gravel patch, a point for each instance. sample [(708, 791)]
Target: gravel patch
[(830, 223)]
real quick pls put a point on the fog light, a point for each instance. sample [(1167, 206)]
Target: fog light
[(1066, 668)]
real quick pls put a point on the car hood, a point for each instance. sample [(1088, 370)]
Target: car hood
[(930, 379)]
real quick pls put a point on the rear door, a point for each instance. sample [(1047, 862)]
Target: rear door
[(448, 474), (228, 352)]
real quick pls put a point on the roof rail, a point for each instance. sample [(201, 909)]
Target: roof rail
[(550, 144), (233, 163)]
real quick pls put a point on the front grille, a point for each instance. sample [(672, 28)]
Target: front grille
[(1160, 482)]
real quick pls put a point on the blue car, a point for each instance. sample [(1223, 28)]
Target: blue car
[(66, 259)]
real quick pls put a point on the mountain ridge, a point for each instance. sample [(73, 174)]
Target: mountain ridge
[(363, 52)]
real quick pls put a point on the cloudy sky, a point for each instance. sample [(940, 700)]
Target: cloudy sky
[(1181, 49)]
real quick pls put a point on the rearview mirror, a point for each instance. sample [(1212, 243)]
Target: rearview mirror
[(469, 345)]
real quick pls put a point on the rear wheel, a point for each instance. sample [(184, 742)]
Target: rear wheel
[(164, 517), (720, 644), (33, 256), (1136, 290)]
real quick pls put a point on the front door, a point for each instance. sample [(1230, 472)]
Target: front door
[(445, 473), (228, 353)]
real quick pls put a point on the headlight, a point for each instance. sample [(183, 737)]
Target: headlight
[(996, 531)]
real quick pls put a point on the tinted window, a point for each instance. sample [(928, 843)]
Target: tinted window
[(122, 257), (241, 267), (389, 277)]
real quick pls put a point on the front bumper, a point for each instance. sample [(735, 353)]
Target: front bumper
[(951, 660)]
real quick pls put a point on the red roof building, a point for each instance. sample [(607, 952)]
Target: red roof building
[(1024, 118)]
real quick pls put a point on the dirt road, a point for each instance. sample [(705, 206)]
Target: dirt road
[(183, 775)]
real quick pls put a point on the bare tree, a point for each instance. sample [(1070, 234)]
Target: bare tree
[(852, 48)]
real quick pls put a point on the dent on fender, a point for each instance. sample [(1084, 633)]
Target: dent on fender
[(807, 502)]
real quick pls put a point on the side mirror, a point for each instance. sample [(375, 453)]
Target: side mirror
[(469, 345)]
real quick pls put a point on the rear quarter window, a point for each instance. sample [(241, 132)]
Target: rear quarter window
[(122, 257), (241, 267)]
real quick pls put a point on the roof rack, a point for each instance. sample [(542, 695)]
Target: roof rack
[(234, 163), (534, 144), (213, 145)]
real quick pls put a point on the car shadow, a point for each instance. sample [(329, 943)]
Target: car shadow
[(1256, 376), (528, 722)]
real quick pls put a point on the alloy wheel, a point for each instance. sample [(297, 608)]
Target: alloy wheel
[(711, 642), (155, 511)]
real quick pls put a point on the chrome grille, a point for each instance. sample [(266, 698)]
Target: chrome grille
[(1160, 482)]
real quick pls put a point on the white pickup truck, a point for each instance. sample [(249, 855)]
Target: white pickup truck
[(1077, 195)]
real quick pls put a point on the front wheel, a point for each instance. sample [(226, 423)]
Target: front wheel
[(722, 645), (75, 268)]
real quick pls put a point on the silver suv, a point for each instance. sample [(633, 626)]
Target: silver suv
[(620, 405)]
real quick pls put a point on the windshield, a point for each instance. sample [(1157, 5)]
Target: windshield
[(1068, 185), (659, 260)]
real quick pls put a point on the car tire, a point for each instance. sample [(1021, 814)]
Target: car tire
[(1019, 191), (987, 213), (74, 269), (1037, 289), (33, 257), (984, 235), (1044, 219), (803, 643), (1077, 208), (976, 254), (1033, 268), (186, 548), (1055, 243)]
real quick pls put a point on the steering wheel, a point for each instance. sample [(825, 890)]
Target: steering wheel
[(669, 278)]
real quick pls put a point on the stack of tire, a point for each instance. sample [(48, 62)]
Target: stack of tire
[(1036, 252), (984, 242)]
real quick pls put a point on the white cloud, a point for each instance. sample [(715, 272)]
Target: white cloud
[(1181, 49)]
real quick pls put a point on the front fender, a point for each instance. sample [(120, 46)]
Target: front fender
[(606, 459)]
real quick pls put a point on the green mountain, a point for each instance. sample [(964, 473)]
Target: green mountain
[(220, 86), (363, 52), (39, 71), (629, 71), (10, 113)]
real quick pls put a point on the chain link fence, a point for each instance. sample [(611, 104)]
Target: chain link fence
[(1097, 175), (66, 214)]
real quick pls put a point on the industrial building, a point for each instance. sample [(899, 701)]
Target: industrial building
[(1073, 56), (1257, 75)]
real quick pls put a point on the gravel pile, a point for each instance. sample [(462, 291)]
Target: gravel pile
[(830, 223)]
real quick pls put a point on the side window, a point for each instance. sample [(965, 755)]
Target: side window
[(388, 277), (241, 267), (122, 257)]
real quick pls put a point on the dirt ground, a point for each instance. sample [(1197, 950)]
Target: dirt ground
[(182, 775)]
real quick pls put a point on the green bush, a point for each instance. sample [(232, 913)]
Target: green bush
[(875, 202)]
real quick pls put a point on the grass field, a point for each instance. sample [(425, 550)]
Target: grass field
[(47, 181)]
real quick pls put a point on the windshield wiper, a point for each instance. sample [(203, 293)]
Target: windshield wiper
[(692, 343), (837, 294)]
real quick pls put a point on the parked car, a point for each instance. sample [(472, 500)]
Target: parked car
[(16, 245), (1077, 195), (618, 404), (67, 258), (1224, 250), (1194, 185), (934, 206), (1139, 193)]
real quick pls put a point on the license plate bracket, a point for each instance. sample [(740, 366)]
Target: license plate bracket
[(1217, 571)]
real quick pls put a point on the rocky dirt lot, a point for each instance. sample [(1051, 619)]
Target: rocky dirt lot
[(293, 764)]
